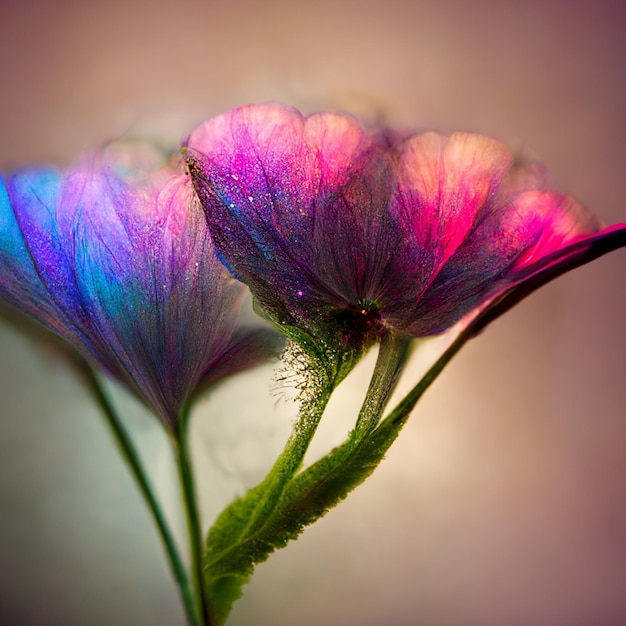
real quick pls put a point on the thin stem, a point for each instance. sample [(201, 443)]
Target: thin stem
[(406, 405), (132, 458), (291, 457), (185, 471), (392, 355)]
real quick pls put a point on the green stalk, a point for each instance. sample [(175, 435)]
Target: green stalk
[(133, 460), (290, 459), (392, 355), (185, 472), (396, 419), (236, 541)]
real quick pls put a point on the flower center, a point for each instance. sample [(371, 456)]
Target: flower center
[(360, 324)]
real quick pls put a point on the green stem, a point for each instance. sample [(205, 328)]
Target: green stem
[(185, 472), (392, 355), (132, 458), (291, 458), (401, 413)]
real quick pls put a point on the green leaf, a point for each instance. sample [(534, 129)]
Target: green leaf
[(305, 499)]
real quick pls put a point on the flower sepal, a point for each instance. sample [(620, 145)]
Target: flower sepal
[(330, 360)]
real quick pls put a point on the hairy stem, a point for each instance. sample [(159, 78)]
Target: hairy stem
[(290, 459)]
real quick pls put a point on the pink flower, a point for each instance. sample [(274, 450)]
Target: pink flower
[(345, 232)]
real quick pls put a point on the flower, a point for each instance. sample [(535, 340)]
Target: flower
[(346, 232), (115, 257)]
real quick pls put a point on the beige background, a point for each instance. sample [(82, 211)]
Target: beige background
[(502, 503)]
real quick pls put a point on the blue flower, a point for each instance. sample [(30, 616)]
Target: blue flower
[(115, 257)]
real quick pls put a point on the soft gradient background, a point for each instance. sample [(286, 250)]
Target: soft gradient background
[(502, 504)]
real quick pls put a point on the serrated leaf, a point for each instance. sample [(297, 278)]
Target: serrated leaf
[(305, 499)]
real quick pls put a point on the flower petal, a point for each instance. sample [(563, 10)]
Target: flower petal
[(35, 262), (20, 284), (443, 185), (248, 347), (118, 260), (518, 232), (269, 179), (582, 251)]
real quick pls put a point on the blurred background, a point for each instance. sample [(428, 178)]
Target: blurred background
[(502, 503)]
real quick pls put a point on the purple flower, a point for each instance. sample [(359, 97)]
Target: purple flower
[(115, 257), (345, 232)]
